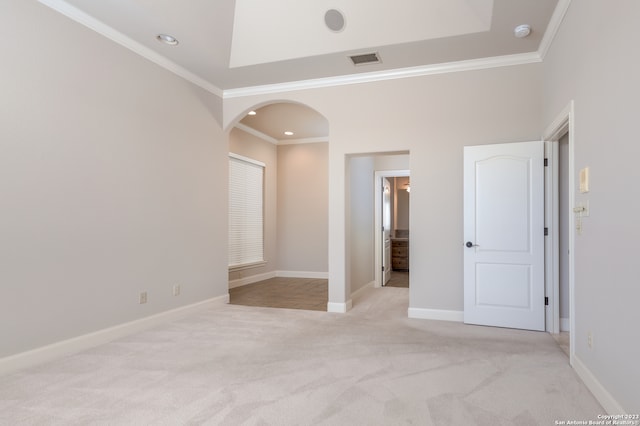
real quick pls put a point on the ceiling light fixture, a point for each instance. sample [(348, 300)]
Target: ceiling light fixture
[(167, 39), (288, 133), (521, 31), (251, 113)]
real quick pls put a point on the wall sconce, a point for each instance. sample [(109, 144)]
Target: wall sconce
[(408, 187)]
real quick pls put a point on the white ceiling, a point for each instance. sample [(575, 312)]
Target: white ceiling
[(278, 30), (226, 45)]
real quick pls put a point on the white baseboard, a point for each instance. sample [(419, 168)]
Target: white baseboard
[(608, 402), (436, 314), (564, 324), (303, 274), (77, 344), (251, 279), (285, 274), (339, 308)]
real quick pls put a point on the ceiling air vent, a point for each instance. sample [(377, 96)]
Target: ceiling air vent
[(367, 58)]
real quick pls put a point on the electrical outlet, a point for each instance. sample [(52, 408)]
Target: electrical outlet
[(176, 290), (590, 340), (143, 297)]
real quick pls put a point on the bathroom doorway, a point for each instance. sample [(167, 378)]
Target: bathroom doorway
[(392, 201)]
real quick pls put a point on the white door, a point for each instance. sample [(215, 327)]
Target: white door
[(386, 231), (504, 235)]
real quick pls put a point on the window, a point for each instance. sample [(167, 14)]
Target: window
[(246, 224)]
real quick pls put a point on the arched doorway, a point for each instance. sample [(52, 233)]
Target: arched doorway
[(290, 140)]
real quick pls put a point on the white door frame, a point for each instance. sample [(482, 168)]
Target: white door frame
[(552, 241), (563, 123), (504, 274), (377, 202)]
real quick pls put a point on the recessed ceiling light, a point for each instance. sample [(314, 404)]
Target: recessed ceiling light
[(167, 39), (251, 113), (288, 133), (521, 31)]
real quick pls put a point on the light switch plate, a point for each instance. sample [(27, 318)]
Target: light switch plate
[(584, 180)]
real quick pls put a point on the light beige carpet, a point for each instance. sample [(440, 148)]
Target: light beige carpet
[(238, 365)]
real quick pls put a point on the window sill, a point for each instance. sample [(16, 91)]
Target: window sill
[(233, 268)]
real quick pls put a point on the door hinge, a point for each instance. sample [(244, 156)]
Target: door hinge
[(546, 231), (546, 301), (546, 162), (383, 269)]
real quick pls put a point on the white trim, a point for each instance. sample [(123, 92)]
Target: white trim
[(563, 123), (339, 308), (444, 68), (303, 274), (100, 27), (608, 402), (275, 141), (436, 314), (247, 159), (77, 344), (560, 125), (251, 279), (565, 324), (256, 133), (242, 267), (303, 140), (109, 32), (552, 29), (365, 287), (551, 250), (273, 274)]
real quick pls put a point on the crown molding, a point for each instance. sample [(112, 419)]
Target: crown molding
[(444, 68), (256, 133), (303, 140), (554, 25), (275, 141), (100, 27)]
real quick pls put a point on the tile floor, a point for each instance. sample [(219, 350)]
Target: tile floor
[(399, 279), (295, 293), (290, 293)]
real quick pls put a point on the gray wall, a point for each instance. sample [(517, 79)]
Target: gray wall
[(361, 225), (361, 213), (595, 61), (111, 170), (431, 117), (401, 202), (303, 188), (296, 192), (250, 146)]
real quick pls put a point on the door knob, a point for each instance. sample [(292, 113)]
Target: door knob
[(470, 244)]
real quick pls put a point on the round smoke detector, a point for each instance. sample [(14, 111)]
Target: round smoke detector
[(521, 31), (334, 20)]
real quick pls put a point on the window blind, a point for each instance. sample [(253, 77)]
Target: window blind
[(246, 223)]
